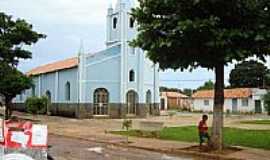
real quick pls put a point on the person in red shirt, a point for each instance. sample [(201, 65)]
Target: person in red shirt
[(203, 130)]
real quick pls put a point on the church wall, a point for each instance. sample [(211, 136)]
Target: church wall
[(48, 84), (104, 75), (70, 76)]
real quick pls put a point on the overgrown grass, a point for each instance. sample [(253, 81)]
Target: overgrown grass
[(232, 136), (257, 122)]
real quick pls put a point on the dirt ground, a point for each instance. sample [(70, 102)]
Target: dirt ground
[(79, 138), (73, 149)]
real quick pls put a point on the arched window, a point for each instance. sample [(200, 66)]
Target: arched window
[(101, 101), (131, 76), (49, 95), (67, 91), (33, 91), (131, 22), (132, 101), (114, 23)]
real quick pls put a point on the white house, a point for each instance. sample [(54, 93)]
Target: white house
[(116, 82), (236, 100)]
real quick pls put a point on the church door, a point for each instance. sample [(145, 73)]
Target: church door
[(132, 101), (101, 101)]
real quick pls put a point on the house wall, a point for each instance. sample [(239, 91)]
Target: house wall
[(198, 105)]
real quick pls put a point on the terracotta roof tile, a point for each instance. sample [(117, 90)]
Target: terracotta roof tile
[(56, 66), (173, 94), (228, 93)]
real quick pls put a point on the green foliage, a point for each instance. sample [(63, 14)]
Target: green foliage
[(188, 92), (186, 34), (250, 74), (207, 86), (12, 81), (262, 122), (232, 136), (266, 99), (14, 35), (36, 105)]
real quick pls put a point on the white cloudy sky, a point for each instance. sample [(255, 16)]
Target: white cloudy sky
[(67, 22)]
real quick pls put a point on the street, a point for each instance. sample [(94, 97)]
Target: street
[(73, 149)]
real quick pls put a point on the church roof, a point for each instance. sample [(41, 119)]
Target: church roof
[(56, 66)]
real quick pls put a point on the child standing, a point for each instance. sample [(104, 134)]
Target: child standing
[(203, 130)]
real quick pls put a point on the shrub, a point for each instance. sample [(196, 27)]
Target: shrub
[(36, 105)]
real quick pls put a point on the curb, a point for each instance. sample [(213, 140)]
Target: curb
[(166, 151)]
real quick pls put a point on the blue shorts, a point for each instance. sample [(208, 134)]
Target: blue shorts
[(203, 136)]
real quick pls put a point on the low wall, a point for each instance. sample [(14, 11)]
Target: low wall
[(116, 110)]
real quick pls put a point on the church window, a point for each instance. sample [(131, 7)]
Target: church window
[(131, 76), (131, 22), (34, 91), (101, 101), (67, 91), (48, 95), (114, 23)]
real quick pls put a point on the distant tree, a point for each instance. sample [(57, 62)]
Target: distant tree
[(14, 36), (207, 86), (166, 89), (188, 92), (186, 34), (266, 99), (249, 74)]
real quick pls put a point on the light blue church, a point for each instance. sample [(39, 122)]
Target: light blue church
[(117, 82)]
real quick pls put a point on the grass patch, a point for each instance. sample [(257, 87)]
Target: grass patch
[(257, 122), (232, 136)]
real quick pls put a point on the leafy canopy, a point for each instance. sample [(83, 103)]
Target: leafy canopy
[(190, 33), (14, 35), (12, 81), (207, 86), (249, 74)]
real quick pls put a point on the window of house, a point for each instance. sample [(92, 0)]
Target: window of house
[(114, 23), (206, 102), (131, 76), (131, 22), (67, 91), (245, 102)]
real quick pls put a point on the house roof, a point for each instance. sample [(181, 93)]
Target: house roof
[(173, 95), (228, 93), (56, 66)]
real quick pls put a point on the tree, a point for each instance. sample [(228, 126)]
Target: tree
[(249, 74), (186, 34), (266, 99), (207, 86), (14, 36), (188, 92), (12, 82)]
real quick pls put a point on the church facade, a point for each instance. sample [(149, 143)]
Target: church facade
[(117, 82)]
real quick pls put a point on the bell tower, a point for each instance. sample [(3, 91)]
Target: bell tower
[(120, 24)]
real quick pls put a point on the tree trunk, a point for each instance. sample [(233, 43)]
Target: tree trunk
[(217, 127), (8, 110)]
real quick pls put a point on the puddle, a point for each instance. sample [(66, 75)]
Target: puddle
[(98, 150), (166, 157)]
